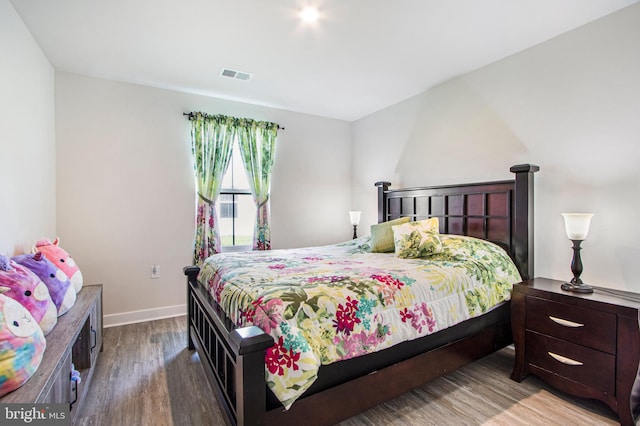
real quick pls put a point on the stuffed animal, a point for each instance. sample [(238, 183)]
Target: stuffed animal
[(62, 292), (75, 375), (23, 286), (4, 263), (61, 259), (22, 345)]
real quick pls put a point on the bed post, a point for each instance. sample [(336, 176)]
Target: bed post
[(382, 202), (523, 222), (250, 344), (192, 273)]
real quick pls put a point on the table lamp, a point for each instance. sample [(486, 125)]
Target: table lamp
[(577, 227)]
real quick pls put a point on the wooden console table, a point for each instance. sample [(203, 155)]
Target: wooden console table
[(77, 339)]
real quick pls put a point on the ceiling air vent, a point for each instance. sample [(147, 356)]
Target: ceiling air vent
[(238, 75)]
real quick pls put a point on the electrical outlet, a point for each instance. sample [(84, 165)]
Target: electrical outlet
[(155, 271)]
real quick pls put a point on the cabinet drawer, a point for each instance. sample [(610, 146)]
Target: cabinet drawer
[(595, 329), (578, 363)]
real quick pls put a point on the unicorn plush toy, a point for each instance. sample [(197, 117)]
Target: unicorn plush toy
[(61, 259), (22, 345), (60, 288), (23, 286)]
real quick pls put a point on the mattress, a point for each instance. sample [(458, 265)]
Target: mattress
[(331, 303)]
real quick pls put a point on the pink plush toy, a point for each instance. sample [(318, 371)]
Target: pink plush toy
[(60, 288), (61, 259), (23, 286), (22, 345)]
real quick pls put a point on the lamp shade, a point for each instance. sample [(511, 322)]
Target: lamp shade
[(355, 217), (577, 225)]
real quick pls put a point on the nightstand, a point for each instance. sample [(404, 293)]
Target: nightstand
[(587, 345)]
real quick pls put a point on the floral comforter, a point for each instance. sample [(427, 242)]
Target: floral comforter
[(330, 303)]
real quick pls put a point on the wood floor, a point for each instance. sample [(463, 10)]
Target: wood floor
[(146, 376)]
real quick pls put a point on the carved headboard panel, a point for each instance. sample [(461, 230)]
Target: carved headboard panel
[(500, 211)]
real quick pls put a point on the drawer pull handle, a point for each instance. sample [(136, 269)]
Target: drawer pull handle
[(564, 359), (74, 389), (95, 338), (565, 322)]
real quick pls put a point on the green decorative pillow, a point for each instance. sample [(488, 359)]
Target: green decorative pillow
[(417, 239), (382, 235)]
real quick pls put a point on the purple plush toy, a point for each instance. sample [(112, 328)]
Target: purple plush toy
[(23, 286), (60, 288)]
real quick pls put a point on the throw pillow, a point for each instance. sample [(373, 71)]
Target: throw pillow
[(382, 235), (417, 239)]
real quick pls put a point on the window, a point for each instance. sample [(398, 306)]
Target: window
[(235, 206), (228, 206)]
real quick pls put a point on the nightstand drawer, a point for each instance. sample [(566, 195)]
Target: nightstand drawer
[(587, 327), (578, 363)]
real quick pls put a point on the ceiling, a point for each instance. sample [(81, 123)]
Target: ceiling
[(359, 57)]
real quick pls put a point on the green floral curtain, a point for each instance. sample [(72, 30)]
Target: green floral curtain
[(257, 140), (212, 139)]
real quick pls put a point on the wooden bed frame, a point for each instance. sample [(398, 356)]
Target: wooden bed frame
[(233, 358)]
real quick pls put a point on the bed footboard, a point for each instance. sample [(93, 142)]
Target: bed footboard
[(233, 358)]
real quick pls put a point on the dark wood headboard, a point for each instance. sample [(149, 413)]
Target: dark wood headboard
[(500, 211)]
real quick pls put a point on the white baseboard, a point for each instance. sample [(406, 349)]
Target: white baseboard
[(133, 317)]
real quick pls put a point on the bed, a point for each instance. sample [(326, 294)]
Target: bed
[(233, 357)]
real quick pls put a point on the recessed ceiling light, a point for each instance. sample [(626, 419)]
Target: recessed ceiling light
[(309, 14)]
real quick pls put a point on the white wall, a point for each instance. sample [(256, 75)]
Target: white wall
[(126, 188), (27, 138), (570, 105)]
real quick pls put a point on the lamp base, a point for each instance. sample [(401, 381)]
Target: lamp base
[(577, 288)]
